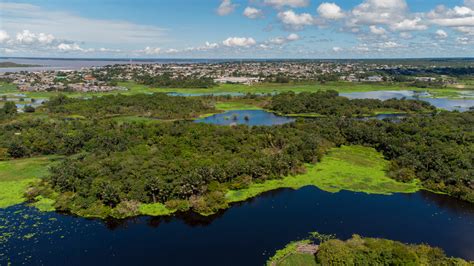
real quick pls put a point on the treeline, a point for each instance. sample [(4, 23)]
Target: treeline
[(166, 80), (330, 103), (158, 105), (193, 165)]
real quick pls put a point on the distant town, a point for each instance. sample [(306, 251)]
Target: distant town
[(104, 79)]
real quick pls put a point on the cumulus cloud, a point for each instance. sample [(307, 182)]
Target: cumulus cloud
[(409, 25), (372, 12), (459, 16), (239, 42), (4, 36), (252, 12), (290, 3), (65, 47), (330, 11), (151, 50), (337, 49), (441, 34), (282, 40), (296, 21), (226, 7), (377, 30)]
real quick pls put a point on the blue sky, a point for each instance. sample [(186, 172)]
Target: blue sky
[(237, 28)]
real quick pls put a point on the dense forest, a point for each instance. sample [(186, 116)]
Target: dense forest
[(193, 165), (330, 103), (157, 105)]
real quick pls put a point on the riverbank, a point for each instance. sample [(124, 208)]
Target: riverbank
[(352, 168)]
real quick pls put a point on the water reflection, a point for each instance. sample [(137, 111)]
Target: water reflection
[(246, 117)]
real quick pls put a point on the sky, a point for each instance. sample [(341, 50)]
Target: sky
[(237, 28)]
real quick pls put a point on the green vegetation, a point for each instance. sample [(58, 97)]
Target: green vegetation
[(330, 103), (11, 64), (289, 256), (353, 168), (364, 251), (117, 168), (231, 106), (17, 175), (156, 105)]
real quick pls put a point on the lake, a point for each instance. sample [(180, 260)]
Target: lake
[(246, 234), (246, 117)]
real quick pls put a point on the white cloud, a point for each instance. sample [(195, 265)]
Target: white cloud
[(65, 47), (372, 12), (409, 25), (290, 3), (25, 37), (15, 17), (441, 34), (252, 12), (293, 37), (330, 11), (389, 44), (463, 40), (282, 40), (455, 17), (296, 21), (239, 42), (226, 7), (377, 30), (4, 36), (151, 50), (337, 49)]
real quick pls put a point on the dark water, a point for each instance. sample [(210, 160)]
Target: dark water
[(246, 117), (246, 234)]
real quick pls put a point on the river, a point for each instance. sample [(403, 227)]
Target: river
[(246, 234)]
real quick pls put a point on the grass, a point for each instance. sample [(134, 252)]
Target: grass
[(298, 259), (289, 256), (16, 175), (155, 209), (233, 106), (352, 168)]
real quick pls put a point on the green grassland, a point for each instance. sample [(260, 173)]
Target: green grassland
[(16, 175), (340, 86), (352, 168)]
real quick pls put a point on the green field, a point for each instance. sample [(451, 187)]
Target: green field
[(340, 86), (352, 168), (16, 175)]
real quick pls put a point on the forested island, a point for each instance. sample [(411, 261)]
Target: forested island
[(111, 168), (11, 64), (359, 251)]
